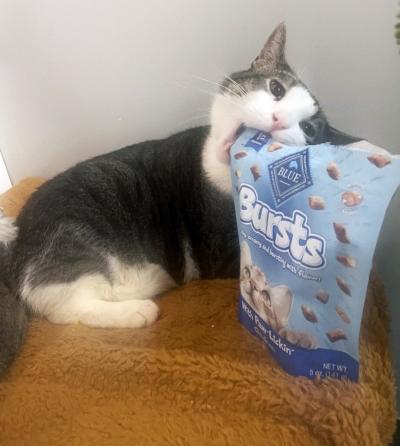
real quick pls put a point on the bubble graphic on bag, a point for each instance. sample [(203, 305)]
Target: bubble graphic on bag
[(308, 220)]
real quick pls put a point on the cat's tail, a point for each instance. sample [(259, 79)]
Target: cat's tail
[(13, 316)]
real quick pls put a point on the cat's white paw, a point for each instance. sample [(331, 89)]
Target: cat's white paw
[(143, 315), (101, 313)]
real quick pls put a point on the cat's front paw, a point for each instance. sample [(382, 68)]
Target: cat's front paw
[(146, 314)]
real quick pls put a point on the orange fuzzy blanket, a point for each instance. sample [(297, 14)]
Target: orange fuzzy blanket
[(196, 377)]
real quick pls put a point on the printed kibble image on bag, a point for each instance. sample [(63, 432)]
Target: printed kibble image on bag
[(308, 220)]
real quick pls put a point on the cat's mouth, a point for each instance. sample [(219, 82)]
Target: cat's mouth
[(233, 135)]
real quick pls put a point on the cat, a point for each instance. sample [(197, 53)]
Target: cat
[(99, 241)]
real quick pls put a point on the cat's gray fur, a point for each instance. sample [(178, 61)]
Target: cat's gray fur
[(13, 317)]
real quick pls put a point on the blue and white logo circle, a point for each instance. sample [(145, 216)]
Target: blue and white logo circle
[(289, 176)]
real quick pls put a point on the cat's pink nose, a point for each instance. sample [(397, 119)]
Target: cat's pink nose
[(277, 122)]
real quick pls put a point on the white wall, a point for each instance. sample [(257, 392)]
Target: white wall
[(81, 77)]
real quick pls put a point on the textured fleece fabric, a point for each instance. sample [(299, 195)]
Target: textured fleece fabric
[(196, 377)]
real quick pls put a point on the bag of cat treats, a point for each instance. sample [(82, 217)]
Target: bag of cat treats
[(308, 220)]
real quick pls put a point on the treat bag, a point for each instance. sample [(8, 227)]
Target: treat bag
[(308, 220)]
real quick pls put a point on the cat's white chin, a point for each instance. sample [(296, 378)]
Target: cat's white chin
[(225, 143), (216, 155)]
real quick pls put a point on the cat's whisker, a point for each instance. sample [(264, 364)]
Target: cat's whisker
[(218, 84), (229, 90), (195, 118), (208, 93), (230, 98), (240, 87), (180, 85)]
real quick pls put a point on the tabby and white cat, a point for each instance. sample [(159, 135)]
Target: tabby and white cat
[(98, 242)]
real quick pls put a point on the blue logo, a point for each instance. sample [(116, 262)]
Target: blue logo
[(289, 176), (258, 141)]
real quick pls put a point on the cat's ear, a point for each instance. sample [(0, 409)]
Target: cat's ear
[(273, 53), (339, 138)]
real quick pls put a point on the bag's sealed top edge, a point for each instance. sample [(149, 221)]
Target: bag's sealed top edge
[(366, 146)]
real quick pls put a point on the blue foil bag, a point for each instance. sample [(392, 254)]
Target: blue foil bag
[(308, 220)]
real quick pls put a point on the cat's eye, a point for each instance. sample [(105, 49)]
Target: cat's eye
[(265, 295), (308, 129), (277, 89)]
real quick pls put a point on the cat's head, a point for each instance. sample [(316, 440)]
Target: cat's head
[(268, 96)]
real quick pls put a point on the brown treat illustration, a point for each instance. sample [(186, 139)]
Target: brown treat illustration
[(322, 296), (274, 146), (255, 170), (336, 335), (350, 198), (238, 173), (309, 314), (333, 171), (379, 160), (343, 285), (348, 261), (290, 335), (240, 154), (306, 340), (300, 338), (316, 202), (343, 315), (341, 233)]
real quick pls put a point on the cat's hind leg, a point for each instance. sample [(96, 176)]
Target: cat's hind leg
[(142, 281), (96, 301)]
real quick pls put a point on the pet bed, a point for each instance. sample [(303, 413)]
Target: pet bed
[(196, 377)]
